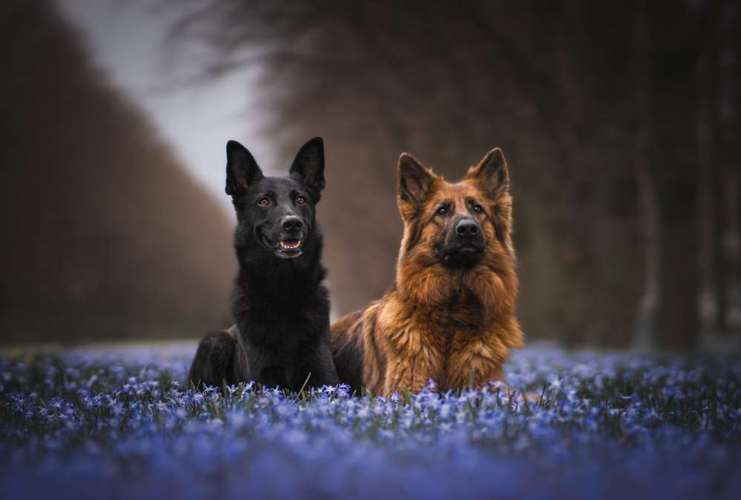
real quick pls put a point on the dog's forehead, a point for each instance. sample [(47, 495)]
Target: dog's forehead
[(280, 185), (456, 190)]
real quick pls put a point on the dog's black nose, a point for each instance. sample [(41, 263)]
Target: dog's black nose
[(291, 223), (466, 228)]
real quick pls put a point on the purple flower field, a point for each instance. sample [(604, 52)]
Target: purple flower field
[(120, 423)]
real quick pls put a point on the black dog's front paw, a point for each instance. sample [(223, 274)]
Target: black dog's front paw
[(321, 368), (213, 363), (273, 376)]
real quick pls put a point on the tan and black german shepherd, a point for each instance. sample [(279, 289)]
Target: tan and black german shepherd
[(450, 316)]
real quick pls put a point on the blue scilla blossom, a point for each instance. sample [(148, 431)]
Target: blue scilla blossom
[(566, 424)]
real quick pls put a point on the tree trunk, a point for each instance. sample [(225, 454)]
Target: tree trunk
[(733, 242), (675, 170), (677, 321), (716, 200), (647, 204), (733, 237)]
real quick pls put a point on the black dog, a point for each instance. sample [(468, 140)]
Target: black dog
[(280, 306)]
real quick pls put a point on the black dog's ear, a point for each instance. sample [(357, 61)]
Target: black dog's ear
[(241, 169), (308, 167)]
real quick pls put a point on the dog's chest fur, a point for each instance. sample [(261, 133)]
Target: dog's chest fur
[(453, 345), (281, 314), (281, 322)]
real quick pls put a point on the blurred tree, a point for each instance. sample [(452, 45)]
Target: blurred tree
[(733, 152), (716, 161), (677, 36), (728, 174), (712, 167), (106, 235)]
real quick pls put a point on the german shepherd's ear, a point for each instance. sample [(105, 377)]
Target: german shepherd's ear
[(415, 182), (241, 169), (308, 167), (492, 172)]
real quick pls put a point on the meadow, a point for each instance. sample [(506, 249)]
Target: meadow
[(121, 423)]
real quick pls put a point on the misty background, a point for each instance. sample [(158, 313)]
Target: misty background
[(620, 121)]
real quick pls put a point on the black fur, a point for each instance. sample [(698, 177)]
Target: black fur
[(280, 305)]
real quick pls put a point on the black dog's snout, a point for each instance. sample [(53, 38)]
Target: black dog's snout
[(466, 229), (291, 224)]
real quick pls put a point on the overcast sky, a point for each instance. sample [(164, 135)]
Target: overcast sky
[(126, 40)]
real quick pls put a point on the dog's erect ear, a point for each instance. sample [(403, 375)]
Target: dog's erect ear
[(308, 167), (415, 180), (241, 169), (492, 171)]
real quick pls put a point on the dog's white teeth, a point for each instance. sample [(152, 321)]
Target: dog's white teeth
[(290, 245)]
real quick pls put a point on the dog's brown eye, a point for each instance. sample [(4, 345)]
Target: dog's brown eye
[(300, 200), (264, 202), (477, 208), (442, 210)]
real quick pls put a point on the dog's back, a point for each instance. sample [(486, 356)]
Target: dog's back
[(347, 341)]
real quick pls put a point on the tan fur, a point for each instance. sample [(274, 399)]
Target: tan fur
[(452, 326)]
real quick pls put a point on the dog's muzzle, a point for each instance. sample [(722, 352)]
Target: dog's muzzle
[(465, 244)]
